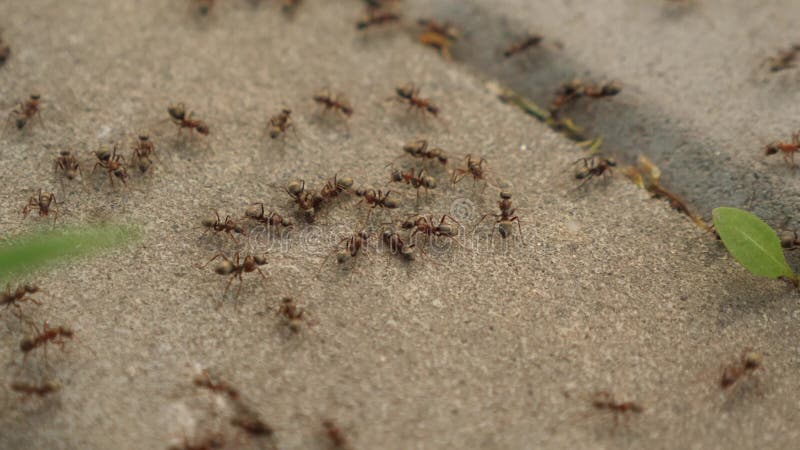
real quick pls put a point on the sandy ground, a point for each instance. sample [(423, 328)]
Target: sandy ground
[(499, 344)]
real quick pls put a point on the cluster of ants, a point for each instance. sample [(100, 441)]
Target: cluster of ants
[(40, 338)]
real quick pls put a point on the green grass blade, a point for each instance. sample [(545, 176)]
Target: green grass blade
[(22, 254), (752, 243)]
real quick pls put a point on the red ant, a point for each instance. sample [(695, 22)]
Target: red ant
[(594, 166), (425, 225), (179, 117), (506, 218), (527, 42), (603, 400), (421, 180), (396, 245), (353, 245), (228, 226), (112, 165), (280, 123), (306, 201), (474, 169), (205, 381), (291, 314), (788, 149), (377, 198), (40, 390), (376, 17), (56, 335), (273, 219), (575, 89), (19, 295), (747, 364), (419, 149), (26, 111), (335, 435), (142, 150), (235, 268), (42, 202), (438, 36), (409, 94), (335, 186), (68, 165), (785, 59), (337, 103)]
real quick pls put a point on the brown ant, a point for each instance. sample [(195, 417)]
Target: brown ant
[(67, 165), (377, 198), (336, 103), (273, 219), (575, 89), (19, 295), (335, 186), (111, 163), (235, 268), (42, 202), (353, 245), (291, 313), (506, 218), (26, 111), (5, 52), (179, 117), (397, 246), (248, 420), (335, 435), (41, 390), (204, 380), (788, 149), (445, 29), (420, 180), (409, 94), (419, 149), (56, 335), (142, 150), (785, 59), (748, 363), (280, 123), (790, 240), (604, 401), (376, 17), (475, 169), (594, 166), (438, 36), (520, 46), (306, 201), (425, 225), (229, 226)]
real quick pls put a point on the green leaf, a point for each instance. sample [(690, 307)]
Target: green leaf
[(22, 254), (752, 243)]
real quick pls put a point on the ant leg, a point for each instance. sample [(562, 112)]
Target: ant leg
[(239, 289), (228, 285), (262, 274), (215, 257)]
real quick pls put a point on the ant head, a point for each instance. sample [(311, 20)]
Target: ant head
[(64, 153), (505, 195), (36, 96), (31, 289), (387, 234), (252, 212), (209, 222), (405, 91), (203, 129), (397, 175), (361, 192), (770, 149), (103, 154), (286, 111), (610, 162), (27, 345), (177, 111), (347, 110), (433, 109), (144, 137), (611, 88), (408, 223), (287, 300)]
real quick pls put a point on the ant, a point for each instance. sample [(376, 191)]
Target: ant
[(520, 46), (68, 165), (56, 335), (506, 218), (26, 111), (603, 400), (421, 180), (19, 295), (249, 421), (396, 245), (376, 17), (438, 36), (235, 268), (785, 59), (788, 149), (410, 94), (377, 198), (217, 225), (474, 168), (306, 201), (353, 245), (204, 6), (594, 166), (575, 89), (273, 219), (111, 163), (425, 225), (205, 381), (335, 435), (790, 240), (335, 186), (5, 52), (30, 389), (41, 202), (179, 117), (419, 149), (142, 150), (748, 363), (280, 123), (336, 103), (291, 313)]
